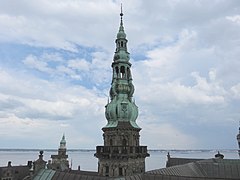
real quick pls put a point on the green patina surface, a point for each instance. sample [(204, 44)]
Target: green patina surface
[(45, 174), (121, 107)]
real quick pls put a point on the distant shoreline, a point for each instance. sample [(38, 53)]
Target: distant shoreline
[(93, 150)]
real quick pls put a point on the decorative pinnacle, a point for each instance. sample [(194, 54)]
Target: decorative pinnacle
[(121, 33), (121, 14)]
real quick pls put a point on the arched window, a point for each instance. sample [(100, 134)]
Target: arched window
[(107, 170), (124, 142), (117, 71), (122, 71), (120, 171), (128, 73), (121, 44)]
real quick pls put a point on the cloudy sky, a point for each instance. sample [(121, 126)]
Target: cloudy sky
[(55, 71)]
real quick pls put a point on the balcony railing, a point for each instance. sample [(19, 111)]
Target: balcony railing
[(121, 151)]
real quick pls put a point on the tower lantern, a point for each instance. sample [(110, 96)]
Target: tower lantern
[(121, 154), (63, 143)]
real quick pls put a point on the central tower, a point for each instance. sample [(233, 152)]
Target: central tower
[(121, 154)]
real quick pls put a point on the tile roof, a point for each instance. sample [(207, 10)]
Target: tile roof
[(179, 161), (207, 169)]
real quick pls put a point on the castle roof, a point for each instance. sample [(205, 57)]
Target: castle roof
[(16, 172), (212, 169), (203, 169)]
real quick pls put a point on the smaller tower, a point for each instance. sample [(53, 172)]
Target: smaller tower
[(60, 161), (238, 139)]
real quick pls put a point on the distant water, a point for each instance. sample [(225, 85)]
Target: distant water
[(87, 161)]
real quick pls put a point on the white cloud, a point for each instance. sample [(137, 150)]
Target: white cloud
[(44, 104), (51, 57), (235, 18), (166, 136), (79, 64), (68, 72), (58, 24), (236, 91), (33, 62), (187, 75), (96, 71)]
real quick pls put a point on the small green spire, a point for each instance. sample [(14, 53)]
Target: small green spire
[(121, 53), (63, 138), (121, 33), (63, 142)]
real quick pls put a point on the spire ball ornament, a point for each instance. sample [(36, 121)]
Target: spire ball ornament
[(121, 14)]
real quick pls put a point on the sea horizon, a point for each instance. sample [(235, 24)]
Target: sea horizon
[(90, 149)]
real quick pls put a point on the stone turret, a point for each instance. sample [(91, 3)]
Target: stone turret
[(121, 154), (60, 161)]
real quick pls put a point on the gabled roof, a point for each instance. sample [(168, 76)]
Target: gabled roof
[(207, 169)]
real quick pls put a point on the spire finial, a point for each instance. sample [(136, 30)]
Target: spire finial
[(121, 14)]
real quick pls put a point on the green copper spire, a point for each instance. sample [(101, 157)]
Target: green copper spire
[(121, 154), (121, 107), (121, 33), (63, 142), (121, 53)]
